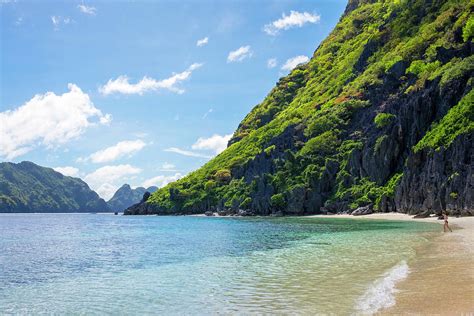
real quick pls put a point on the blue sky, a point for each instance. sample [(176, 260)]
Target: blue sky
[(120, 91)]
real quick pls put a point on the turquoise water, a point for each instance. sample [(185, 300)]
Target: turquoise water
[(96, 263)]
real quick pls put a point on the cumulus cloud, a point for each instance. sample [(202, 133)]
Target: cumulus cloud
[(122, 85), (291, 63), (216, 143), (271, 63), (295, 19), (187, 153), (161, 181), (121, 149), (202, 41), (89, 10), (47, 120), (68, 171), (239, 54), (106, 180)]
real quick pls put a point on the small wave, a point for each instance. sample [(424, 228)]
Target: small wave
[(381, 293)]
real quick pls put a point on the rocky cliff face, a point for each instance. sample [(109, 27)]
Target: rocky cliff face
[(381, 117), (126, 196), (28, 188)]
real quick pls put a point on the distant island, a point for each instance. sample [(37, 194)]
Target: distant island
[(381, 117), (28, 188), (125, 196)]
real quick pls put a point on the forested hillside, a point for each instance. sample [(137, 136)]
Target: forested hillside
[(381, 116)]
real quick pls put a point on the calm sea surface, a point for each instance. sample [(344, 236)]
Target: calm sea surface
[(99, 263)]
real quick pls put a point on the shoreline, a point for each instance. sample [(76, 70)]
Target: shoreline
[(441, 278)]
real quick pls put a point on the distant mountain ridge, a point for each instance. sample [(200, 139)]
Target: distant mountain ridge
[(125, 197), (28, 188)]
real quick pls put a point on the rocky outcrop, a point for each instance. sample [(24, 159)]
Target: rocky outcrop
[(439, 180), (125, 196)]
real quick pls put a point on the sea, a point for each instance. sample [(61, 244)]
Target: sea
[(95, 264)]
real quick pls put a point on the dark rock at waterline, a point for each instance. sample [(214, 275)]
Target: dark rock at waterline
[(363, 210)]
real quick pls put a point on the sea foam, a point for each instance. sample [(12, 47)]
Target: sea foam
[(381, 292)]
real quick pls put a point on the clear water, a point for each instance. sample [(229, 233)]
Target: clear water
[(96, 263)]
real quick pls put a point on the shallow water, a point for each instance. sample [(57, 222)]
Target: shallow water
[(97, 263)]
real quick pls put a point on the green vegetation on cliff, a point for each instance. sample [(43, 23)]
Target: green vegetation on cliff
[(28, 188), (335, 133)]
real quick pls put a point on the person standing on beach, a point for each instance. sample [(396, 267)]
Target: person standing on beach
[(445, 215)]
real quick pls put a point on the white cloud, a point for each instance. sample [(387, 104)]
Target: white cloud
[(216, 143), (187, 153), (49, 120), (106, 190), (121, 84), (293, 62), (202, 41), (58, 20), (271, 63), (123, 148), (295, 19), (161, 181), (239, 54), (106, 180), (87, 10), (68, 171)]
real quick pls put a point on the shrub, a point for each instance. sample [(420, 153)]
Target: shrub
[(383, 119), (379, 141), (223, 176), (278, 200), (468, 29), (419, 67), (246, 203), (325, 143)]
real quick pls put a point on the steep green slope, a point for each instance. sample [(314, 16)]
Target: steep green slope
[(26, 188), (342, 131)]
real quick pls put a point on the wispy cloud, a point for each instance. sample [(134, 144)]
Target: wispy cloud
[(239, 54), (168, 167), (271, 63), (207, 113), (187, 153), (121, 84), (47, 120), (89, 10), (202, 42), (58, 20), (291, 63), (121, 149), (295, 19)]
